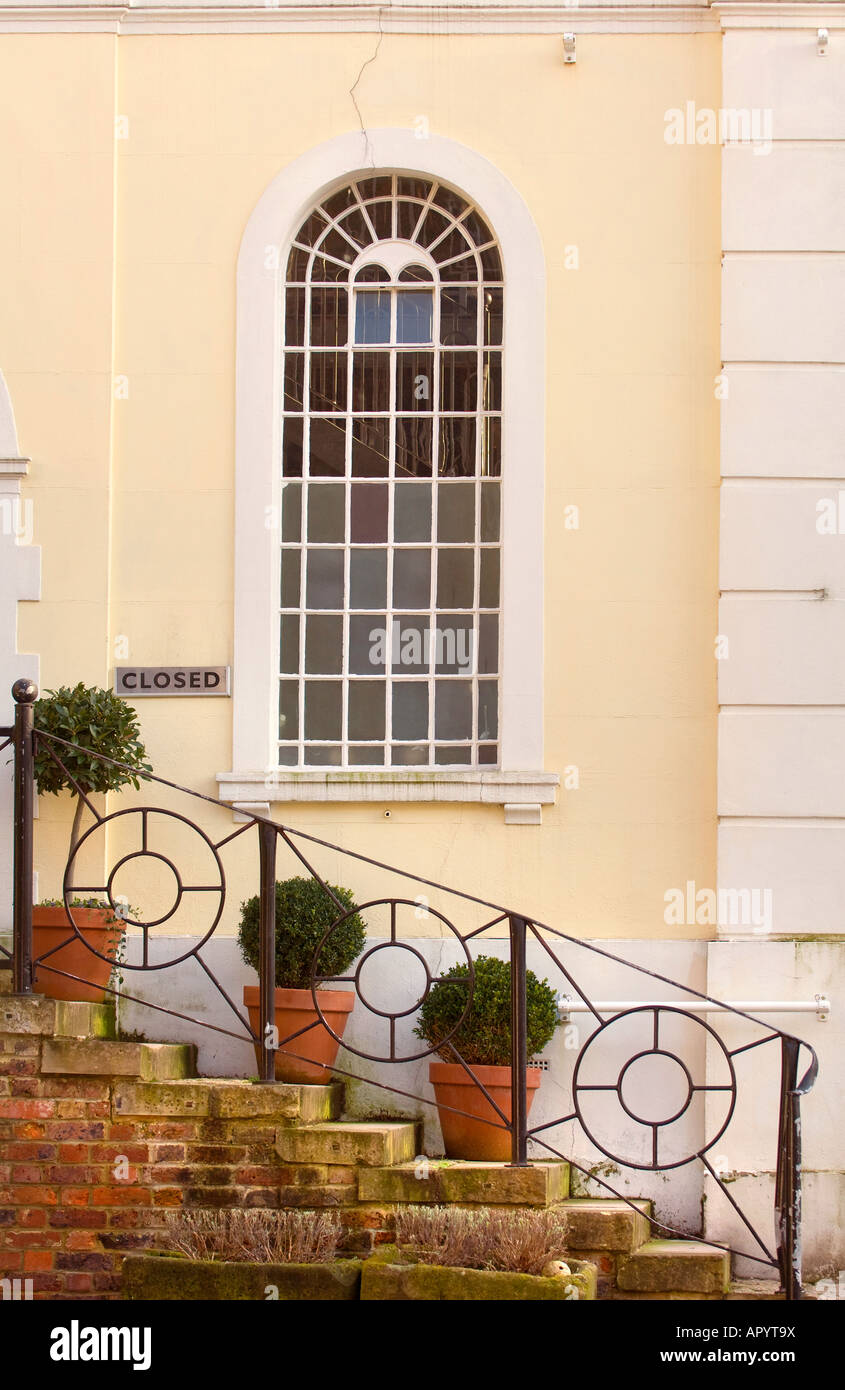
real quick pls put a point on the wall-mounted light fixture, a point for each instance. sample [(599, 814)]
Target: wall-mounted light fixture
[(824, 39), (569, 55)]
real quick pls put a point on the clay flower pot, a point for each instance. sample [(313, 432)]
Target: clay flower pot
[(465, 1137), (294, 1010), (98, 925)]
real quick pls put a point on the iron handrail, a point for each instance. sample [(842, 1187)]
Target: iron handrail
[(24, 737)]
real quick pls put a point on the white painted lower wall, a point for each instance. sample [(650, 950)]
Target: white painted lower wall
[(735, 970)]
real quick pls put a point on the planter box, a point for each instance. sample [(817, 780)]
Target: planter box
[(392, 1274), (155, 1278)]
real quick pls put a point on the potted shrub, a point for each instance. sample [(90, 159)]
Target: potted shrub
[(240, 1255), (490, 1253), (484, 1042), (304, 913), (99, 722)]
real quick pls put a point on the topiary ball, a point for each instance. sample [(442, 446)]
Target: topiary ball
[(304, 913)]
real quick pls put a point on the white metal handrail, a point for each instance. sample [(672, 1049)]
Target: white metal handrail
[(819, 1005)]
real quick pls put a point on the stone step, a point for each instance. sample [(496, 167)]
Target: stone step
[(597, 1224), (96, 1057), (5, 978), (440, 1180), (675, 1267), (224, 1099), (75, 1019), (373, 1144)]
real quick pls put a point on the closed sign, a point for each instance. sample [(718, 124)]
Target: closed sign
[(171, 680)]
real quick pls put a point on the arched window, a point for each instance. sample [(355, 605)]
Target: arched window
[(391, 459)]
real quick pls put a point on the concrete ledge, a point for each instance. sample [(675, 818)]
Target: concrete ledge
[(440, 1180), (75, 1019), (163, 1277), (226, 1100), (348, 1142), (95, 1057), (391, 1275), (675, 1266), (27, 1013), (593, 1224)]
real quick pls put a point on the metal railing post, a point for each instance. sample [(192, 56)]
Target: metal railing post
[(267, 949), (519, 1043), (25, 693), (788, 1185)]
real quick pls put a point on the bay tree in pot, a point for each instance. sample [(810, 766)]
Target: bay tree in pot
[(483, 1040), (97, 721), (304, 914)]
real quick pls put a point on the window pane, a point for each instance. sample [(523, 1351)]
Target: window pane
[(451, 201), (328, 381), (412, 512), (327, 451), (322, 756), (414, 380), (407, 217), (328, 317), (456, 512), (288, 709), (460, 754), (336, 245), (410, 709), (371, 381), (488, 754), (368, 644), (453, 709), (492, 386), (370, 448), (356, 227), (488, 709), (326, 512), (372, 316), (368, 578), (413, 447), (368, 521), (323, 645), (458, 317), (493, 316), (491, 447), (414, 316), (289, 664), (323, 709), (455, 578), (366, 709), (344, 198), (292, 448), (415, 273), (488, 643), (411, 578), (381, 216), (312, 228), (297, 264), (413, 188), (489, 586), (457, 448), (288, 757), (291, 561), (464, 269), (326, 270), (453, 651), (294, 380), (371, 275), (366, 756), (324, 587), (295, 317), (455, 244), (477, 228), (433, 226), (458, 381), (490, 497), (411, 755), (491, 264), (292, 512), (411, 645)]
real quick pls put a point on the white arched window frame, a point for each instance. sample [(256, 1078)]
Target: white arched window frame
[(520, 783)]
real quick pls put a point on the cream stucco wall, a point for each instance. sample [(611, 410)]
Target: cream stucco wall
[(119, 258)]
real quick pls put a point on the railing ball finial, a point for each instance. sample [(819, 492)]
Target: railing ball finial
[(24, 692)]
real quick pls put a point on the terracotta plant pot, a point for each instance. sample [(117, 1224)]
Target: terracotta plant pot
[(294, 1010), (50, 926), (465, 1137)]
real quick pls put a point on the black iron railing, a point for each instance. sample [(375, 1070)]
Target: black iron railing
[(660, 1021)]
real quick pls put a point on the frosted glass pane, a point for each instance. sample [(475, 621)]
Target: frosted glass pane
[(369, 512), (414, 316), (367, 639), (412, 512), (289, 709), (325, 579), (372, 316), (488, 709), (323, 645), (290, 646), (291, 560), (453, 709), (326, 513), (410, 709), (323, 709), (411, 578), (454, 578), (292, 512), (456, 512), (368, 578), (366, 709)]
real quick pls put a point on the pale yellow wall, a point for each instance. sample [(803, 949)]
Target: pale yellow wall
[(631, 421)]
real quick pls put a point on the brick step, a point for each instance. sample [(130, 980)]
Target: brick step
[(373, 1144), (682, 1268), (438, 1180), (98, 1057)]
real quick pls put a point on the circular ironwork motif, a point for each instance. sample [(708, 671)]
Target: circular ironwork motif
[(666, 1116), (391, 1016), (148, 815)]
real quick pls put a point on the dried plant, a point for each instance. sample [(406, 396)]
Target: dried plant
[(256, 1235), (486, 1238)]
